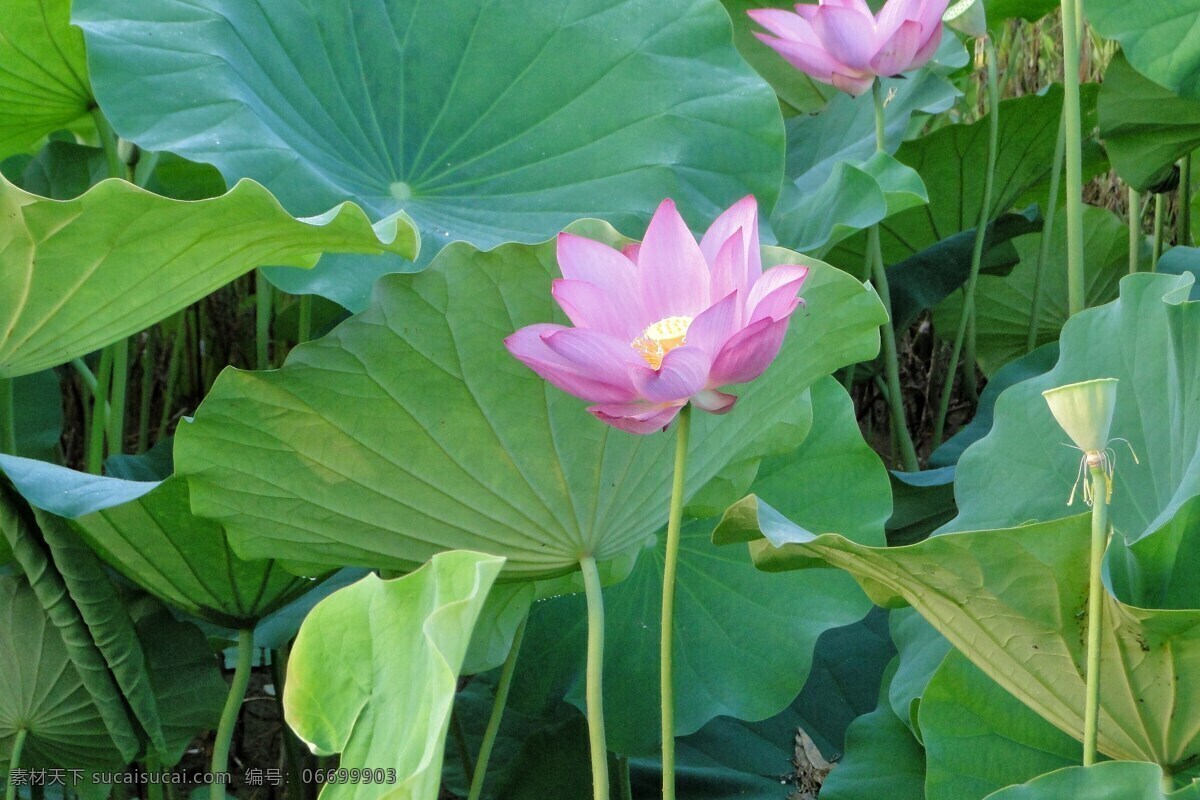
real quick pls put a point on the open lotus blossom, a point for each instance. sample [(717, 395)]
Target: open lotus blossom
[(663, 323), (842, 43)]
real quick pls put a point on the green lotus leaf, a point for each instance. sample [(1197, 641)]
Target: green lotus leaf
[(743, 644), (486, 122), (1021, 471), (1146, 128), (374, 669), (921, 650), (979, 738), (42, 691), (1114, 780), (882, 759), (1030, 10), (79, 274), (43, 77), (1003, 304), (38, 414), (409, 429), (146, 531), (77, 629), (855, 197), (1161, 39), (948, 162), (1012, 602)]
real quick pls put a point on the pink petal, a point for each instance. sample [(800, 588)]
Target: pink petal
[(775, 291), (928, 49), (748, 353), (848, 34), (930, 17), (714, 325), (853, 85), (785, 24), (895, 13), (713, 402), (806, 10), (684, 372), (636, 417), (529, 346), (595, 353), (740, 218), (896, 54), (812, 61), (587, 306), (672, 273), (858, 5), (631, 251), (582, 259)]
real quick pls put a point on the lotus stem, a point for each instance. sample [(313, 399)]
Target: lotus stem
[(1056, 168), (304, 326), (111, 145), (291, 749), (460, 739), (262, 321), (887, 333), (116, 405), (154, 789), (985, 212), (1091, 713), (595, 677), (8, 422), (173, 366), (670, 568), (1184, 223), (493, 726), (1160, 214), (229, 717), (14, 761), (1072, 24), (1135, 229), (147, 394), (95, 451), (624, 784), (1168, 782)]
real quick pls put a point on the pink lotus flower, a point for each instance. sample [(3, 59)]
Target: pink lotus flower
[(842, 43), (663, 323)]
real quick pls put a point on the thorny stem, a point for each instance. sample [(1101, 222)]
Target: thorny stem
[(887, 333), (1035, 307), (666, 649), (985, 210), (1160, 214), (229, 717), (14, 761), (1071, 27), (493, 726), (1135, 228), (1100, 533), (595, 677)]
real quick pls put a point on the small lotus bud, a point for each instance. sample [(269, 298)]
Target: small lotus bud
[(1085, 411)]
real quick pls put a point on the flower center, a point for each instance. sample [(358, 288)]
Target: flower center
[(661, 338)]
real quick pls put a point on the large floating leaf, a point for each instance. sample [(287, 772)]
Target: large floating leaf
[(43, 72), (882, 760), (1021, 471), (1146, 128), (41, 690), (487, 122), (29, 552), (979, 738), (147, 532), (836, 183), (83, 273), (1160, 39), (949, 162), (743, 641), (410, 430), (1012, 601), (1114, 780), (1003, 304), (374, 668)]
